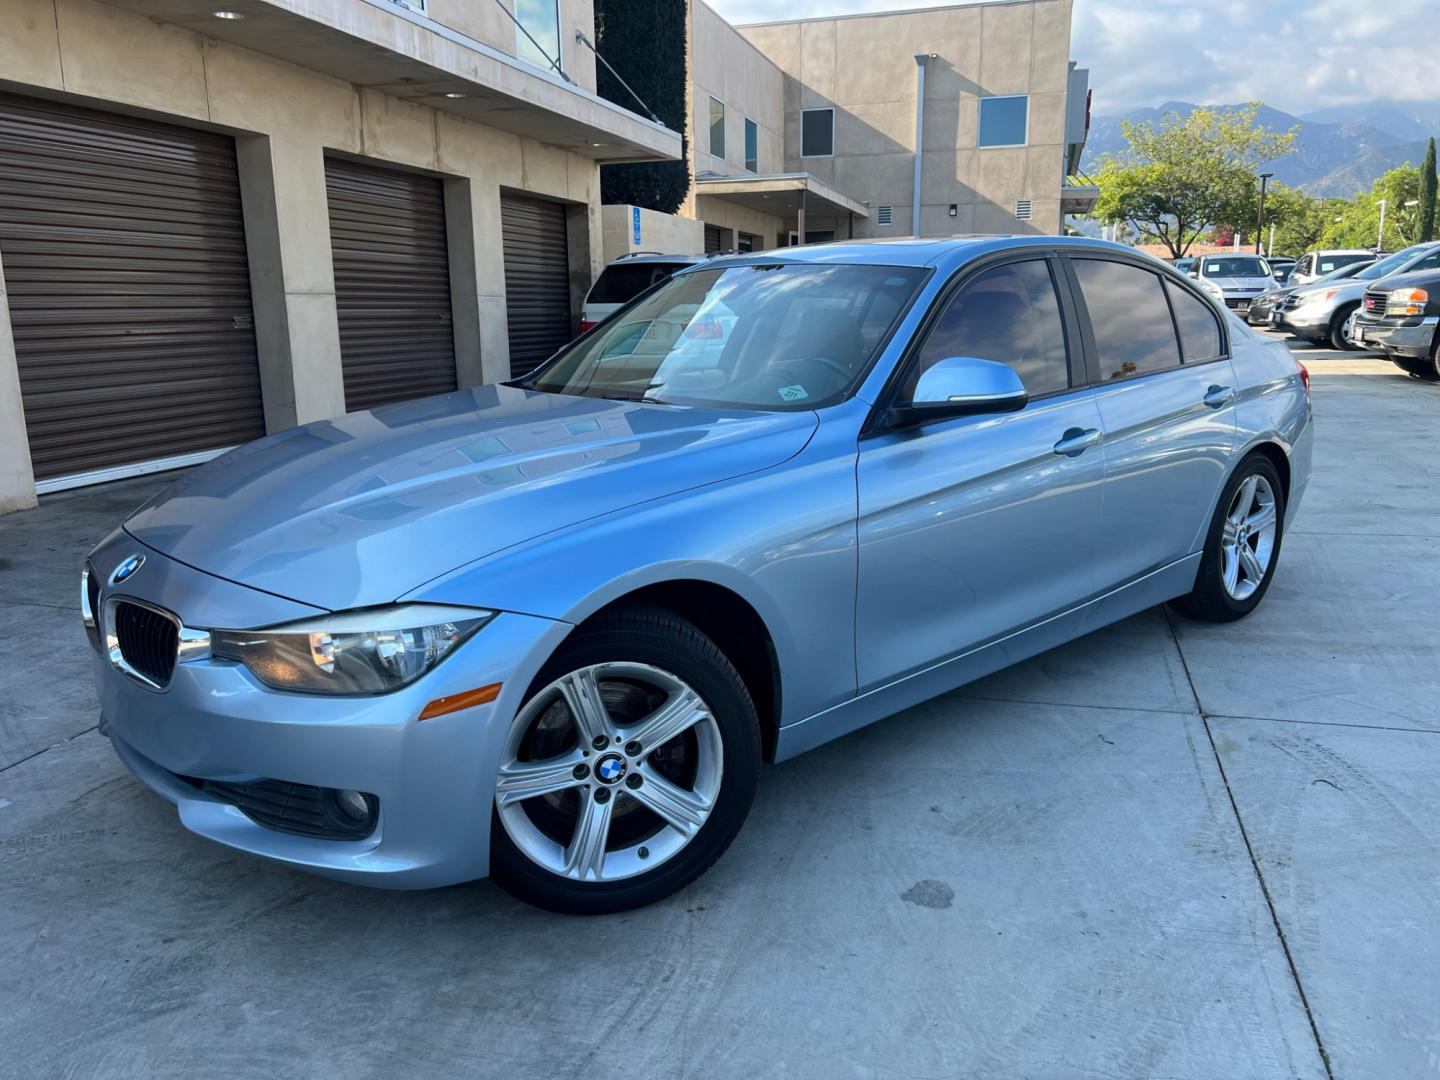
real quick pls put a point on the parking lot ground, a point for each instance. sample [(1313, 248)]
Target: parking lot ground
[(1165, 850)]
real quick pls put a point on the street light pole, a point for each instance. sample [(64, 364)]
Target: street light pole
[(1380, 243), (1260, 225)]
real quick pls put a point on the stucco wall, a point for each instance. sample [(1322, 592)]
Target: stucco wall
[(285, 119), (729, 68), (864, 67), (669, 234), (485, 21)]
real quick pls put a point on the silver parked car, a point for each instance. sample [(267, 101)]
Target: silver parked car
[(1324, 312), (1273, 299), (1233, 280), (547, 631)]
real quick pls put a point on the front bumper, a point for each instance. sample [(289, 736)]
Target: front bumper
[(1313, 320), (1413, 338), (434, 779)]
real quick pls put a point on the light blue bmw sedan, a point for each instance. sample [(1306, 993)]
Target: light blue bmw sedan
[(548, 631)]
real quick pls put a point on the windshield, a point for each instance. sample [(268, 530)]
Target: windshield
[(771, 336), (1236, 267), (1389, 264)]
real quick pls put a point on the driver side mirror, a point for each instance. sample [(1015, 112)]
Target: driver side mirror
[(962, 386)]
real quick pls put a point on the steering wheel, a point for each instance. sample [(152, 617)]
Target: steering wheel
[(841, 371)]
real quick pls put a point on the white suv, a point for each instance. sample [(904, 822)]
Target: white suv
[(626, 278), (1314, 265)]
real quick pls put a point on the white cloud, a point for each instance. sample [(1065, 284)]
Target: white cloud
[(1296, 55)]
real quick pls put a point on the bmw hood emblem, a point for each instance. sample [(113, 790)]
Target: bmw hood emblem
[(610, 768), (126, 570)]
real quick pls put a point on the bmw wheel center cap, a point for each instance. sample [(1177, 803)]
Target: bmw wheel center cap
[(610, 769)]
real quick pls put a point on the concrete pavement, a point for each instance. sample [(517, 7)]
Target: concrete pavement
[(1166, 850)]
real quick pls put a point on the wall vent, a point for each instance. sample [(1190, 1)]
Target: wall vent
[(883, 214), (1022, 209)]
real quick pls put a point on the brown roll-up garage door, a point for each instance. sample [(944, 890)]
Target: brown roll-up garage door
[(392, 283), (124, 254), (537, 279), (712, 239)]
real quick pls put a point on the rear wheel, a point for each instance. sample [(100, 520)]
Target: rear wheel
[(1421, 369), (1342, 327), (1242, 546), (628, 771)]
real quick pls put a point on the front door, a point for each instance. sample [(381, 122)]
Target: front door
[(975, 527), (1168, 404)]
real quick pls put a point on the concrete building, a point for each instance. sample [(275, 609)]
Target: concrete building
[(217, 223), (820, 116)]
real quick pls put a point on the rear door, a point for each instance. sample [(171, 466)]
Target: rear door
[(973, 527), (1166, 393)]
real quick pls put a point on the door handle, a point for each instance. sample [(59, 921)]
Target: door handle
[(1076, 441), (1219, 396)]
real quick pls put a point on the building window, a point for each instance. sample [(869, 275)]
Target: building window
[(717, 128), (817, 133), (1004, 121), (752, 145), (1022, 209), (883, 214), (540, 19)]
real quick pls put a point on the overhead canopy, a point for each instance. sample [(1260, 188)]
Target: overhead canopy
[(406, 55), (780, 194)]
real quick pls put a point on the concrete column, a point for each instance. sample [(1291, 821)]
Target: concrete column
[(464, 291), (292, 278), (17, 478)]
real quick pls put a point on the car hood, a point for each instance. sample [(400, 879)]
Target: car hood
[(363, 508), (1241, 282), (1348, 289)]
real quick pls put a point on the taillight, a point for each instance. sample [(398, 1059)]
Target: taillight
[(1304, 375), (587, 325), (705, 330)]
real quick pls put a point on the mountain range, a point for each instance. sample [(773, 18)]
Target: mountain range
[(1338, 151)]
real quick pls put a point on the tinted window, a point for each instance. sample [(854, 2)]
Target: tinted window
[(752, 145), (1009, 314), (1134, 333), (1428, 263), (1004, 121), (622, 282), (817, 133), (1199, 332), (1235, 267), (1334, 262), (717, 128)]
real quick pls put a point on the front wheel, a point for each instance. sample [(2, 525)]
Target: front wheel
[(1242, 546), (1421, 369), (1342, 328), (628, 771)]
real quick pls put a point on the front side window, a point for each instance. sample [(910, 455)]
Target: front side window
[(1326, 263), (752, 145), (1011, 315), (540, 20), (1134, 334), (777, 336), (817, 133), (1004, 121), (1199, 332), (717, 128)]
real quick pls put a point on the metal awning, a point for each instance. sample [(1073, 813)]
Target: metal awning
[(780, 194), (1078, 198), (387, 47)]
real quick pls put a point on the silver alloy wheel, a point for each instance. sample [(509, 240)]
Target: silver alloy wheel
[(609, 772), (1247, 542), (1347, 330)]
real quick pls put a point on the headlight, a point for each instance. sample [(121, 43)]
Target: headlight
[(357, 652), (1212, 288), (1406, 302)]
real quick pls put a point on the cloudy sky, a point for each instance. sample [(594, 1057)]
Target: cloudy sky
[(1296, 55)]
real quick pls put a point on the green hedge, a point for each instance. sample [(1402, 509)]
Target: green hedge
[(644, 40)]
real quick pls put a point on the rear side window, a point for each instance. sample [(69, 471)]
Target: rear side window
[(1010, 314), (622, 282), (1199, 332), (1134, 334), (1335, 262)]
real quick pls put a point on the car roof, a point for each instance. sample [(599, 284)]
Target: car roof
[(943, 252), (1341, 251), (656, 257)]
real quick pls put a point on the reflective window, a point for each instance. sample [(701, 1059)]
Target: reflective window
[(1004, 121), (1247, 266), (540, 19), (1199, 332), (817, 133), (1134, 334), (752, 145), (717, 128), (1010, 314)]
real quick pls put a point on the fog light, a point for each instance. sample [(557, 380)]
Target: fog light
[(352, 804)]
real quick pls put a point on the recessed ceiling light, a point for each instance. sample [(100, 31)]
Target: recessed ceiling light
[(228, 15), (455, 94)]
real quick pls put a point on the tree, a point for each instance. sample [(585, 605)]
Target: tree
[(1182, 176), (1356, 222), (1427, 194), (644, 41)]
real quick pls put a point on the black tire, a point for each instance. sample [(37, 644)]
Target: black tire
[(1421, 369), (657, 637), (1338, 340), (1209, 601)]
